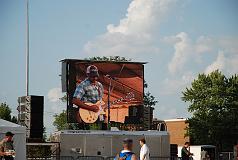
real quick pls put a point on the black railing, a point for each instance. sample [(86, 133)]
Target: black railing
[(93, 158)]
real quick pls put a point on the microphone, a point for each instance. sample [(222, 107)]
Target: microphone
[(110, 77)]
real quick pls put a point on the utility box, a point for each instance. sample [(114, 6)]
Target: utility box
[(108, 143)]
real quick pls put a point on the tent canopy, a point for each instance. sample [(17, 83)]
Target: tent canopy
[(19, 137), (9, 126)]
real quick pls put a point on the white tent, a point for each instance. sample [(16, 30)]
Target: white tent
[(19, 137)]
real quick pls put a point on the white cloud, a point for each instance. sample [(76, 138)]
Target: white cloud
[(228, 44), (228, 64), (186, 50), (182, 50), (219, 63), (57, 107), (232, 65), (135, 33), (53, 106), (203, 44), (176, 84), (54, 94)]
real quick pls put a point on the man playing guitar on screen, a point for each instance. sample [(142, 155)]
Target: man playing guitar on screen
[(88, 91)]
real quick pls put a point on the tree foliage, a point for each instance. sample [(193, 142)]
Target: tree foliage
[(149, 99), (213, 102), (110, 58), (60, 121), (5, 113)]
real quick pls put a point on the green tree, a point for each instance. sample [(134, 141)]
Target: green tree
[(110, 58), (5, 113), (149, 99), (214, 104), (60, 121)]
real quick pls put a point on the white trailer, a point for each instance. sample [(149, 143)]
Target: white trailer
[(109, 143), (197, 150)]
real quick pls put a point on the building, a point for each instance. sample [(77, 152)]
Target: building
[(177, 130)]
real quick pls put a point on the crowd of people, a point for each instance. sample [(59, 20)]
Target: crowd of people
[(7, 150)]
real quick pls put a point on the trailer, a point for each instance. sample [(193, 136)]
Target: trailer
[(108, 143), (198, 149)]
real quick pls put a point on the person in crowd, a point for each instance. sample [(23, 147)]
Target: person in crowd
[(235, 152), (185, 153), (6, 146), (126, 153), (144, 151), (203, 155)]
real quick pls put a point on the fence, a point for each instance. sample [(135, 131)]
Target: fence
[(91, 158), (151, 158), (226, 156)]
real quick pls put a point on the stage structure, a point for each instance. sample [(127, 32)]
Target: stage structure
[(122, 83), (78, 143)]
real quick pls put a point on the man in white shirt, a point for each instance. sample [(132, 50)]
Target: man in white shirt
[(144, 151)]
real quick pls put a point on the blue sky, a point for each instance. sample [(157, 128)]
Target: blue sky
[(178, 38)]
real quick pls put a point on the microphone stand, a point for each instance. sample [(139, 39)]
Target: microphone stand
[(108, 99), (108, 103)]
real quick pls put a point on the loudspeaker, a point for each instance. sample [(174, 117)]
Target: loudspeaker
[(37, 110), (31, 109), (136, 111), (140, 114), (135, 115), (64, 76)]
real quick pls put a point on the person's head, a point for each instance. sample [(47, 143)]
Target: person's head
[(235, 143), (9, 136), (92, 73), (128, 144), (142, 141), (186, 144)]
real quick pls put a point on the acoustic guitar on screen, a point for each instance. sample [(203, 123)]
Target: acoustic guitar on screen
[(91, 117)]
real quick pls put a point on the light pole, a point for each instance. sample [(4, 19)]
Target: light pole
[(27, 47)]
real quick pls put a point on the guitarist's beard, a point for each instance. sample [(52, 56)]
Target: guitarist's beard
[(93, 80)]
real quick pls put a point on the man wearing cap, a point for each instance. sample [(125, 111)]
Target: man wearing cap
[(89, 90), (126, 153), (7, 146)]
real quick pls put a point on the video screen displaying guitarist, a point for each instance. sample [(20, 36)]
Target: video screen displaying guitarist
[(89, 91), (101, 92)]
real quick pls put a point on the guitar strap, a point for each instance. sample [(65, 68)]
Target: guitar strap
[(101, 118)]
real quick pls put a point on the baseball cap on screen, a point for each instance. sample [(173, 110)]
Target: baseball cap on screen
[(92, 70)]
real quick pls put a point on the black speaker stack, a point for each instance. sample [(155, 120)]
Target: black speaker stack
[(135, 115), (31, 109), (139, 114)]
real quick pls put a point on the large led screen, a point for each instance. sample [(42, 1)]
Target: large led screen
[(99, 90)]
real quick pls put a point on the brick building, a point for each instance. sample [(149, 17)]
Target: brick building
[(177, 130)]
